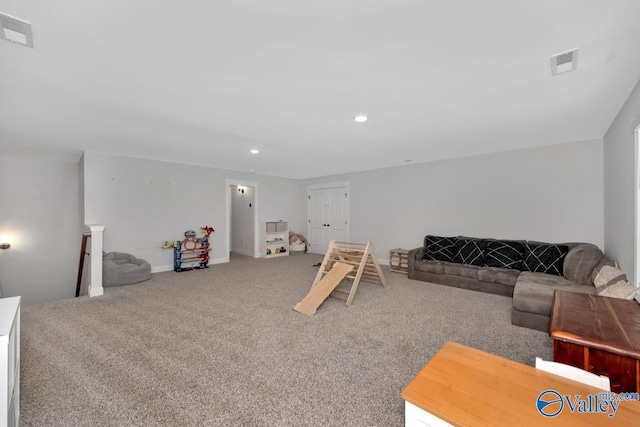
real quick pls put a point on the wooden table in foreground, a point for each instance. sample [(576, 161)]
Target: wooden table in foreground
[(598, 334), (463, 386)]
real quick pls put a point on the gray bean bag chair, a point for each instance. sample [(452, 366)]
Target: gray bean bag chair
[(119, 269)]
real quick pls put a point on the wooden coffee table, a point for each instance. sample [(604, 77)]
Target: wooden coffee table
[(598, 334)]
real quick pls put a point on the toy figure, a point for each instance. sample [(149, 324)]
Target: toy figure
[(206, 230)]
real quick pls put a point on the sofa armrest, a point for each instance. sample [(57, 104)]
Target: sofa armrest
[(412, 256)]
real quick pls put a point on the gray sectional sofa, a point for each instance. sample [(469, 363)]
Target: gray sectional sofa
[(527, 271)]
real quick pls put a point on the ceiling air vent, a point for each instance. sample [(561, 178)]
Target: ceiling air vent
[(564, 62), (15, 30)]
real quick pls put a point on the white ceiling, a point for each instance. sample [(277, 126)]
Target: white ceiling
[(203, 82)]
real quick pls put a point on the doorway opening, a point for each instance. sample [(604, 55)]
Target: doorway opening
[(242, 218)]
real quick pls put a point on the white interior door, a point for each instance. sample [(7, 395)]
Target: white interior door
[(328, 217), (338, 211), (318, 206)]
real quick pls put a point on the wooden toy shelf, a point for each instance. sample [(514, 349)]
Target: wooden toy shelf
[(399, 260)]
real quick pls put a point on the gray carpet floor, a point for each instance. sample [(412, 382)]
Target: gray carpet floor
[(223, 346)]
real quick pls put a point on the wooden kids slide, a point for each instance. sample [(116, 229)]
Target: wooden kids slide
[(323, 288)]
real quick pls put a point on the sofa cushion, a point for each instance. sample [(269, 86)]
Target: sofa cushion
[(504, 276), (439, 248), (429, 266), (580, 262), (544, 258), (504, 254), (469, 251), (543, 279), (533, 292), (463, 270)]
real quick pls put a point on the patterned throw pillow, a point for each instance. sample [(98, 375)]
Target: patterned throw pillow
[(608, 276), (439, 248), (621, 289), (544, 258), (468, 251), (504, 254)]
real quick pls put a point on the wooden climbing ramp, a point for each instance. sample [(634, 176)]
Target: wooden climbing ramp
[(358, 255), (319, 293)]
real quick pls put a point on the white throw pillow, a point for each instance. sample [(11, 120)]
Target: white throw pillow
[(621, 289)]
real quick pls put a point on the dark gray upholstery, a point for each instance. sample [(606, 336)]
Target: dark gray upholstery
[(525, 319), (430, 266), (445, 273), (580, 262), (462, 270), (464, 283), (504, 276), (532, 292)]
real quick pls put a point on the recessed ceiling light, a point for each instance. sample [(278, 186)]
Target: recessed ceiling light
[(360, 118), (254, 151)]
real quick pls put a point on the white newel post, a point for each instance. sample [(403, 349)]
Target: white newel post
[(95, 279)]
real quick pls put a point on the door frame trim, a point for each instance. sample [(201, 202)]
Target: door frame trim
[(328, 185), (636, 221)]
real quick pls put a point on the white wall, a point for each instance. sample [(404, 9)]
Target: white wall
[(242, 220), (144, 202), (619, 188), (40, 216), (552, 193)]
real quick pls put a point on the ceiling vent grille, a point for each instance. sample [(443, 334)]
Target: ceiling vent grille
[(15, 30), (564, 62)]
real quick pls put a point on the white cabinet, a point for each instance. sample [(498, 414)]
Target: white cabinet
[(9, 361), (276, 239)]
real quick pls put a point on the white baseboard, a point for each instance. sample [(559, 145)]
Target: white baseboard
[(161, 268), (245, 253)]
